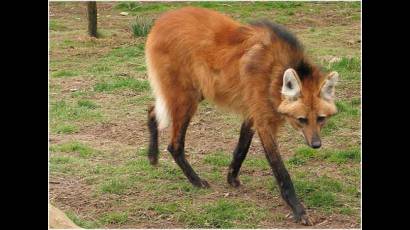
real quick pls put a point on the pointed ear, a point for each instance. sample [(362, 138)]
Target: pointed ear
[(291, 84), (327, 91)]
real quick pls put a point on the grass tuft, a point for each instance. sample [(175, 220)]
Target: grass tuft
[(114, 186), (141, 26), (114, 218), (81, 222), (87, 104)]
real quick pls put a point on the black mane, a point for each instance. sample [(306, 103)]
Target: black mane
[(279, 31), (302, 67)]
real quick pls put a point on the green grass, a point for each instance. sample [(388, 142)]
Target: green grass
[(81, 94), (331, 41), (346, 211), (68, 165), (134, 175), (348, 114), (64, 73), (242, 7), (168, 171), (304, 154), (140, 7), (348, 108), (56, 26), (100, 68), (223, 213), (141, 100), (141, 26), (114, 186), (82, 222), (114, 218), (243, 11), (346, 65), (331, 126), (167, 208), (317, 193), (128, 59), (344, 156), (63, 111), (256, 163), (65, 128), (351, 172), (61, 160), (126, 53), (218, 158), (87, 104), (74, 147), (322, 199), (122, 83), (325, 193)]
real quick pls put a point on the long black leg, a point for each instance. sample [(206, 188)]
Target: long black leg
[(285, 183), (153, 137), (176, 148), (239, 154)]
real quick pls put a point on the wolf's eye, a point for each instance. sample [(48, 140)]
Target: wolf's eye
[(303, 120), (321, 119)]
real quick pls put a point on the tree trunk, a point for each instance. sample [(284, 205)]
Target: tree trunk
[(92, 18)]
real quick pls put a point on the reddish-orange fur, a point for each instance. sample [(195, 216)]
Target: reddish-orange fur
[(200, 53), (195, 53)]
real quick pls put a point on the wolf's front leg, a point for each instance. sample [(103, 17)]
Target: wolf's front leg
[(283, 179)]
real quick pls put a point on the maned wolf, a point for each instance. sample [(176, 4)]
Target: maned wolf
[(258, 70)]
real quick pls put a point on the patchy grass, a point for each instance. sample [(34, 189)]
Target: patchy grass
[(304, 154), (256, 163), (348, 108), (322, 193), (65, 129), (137, 7), (68, 165), (114, 218), (114, 186), (344, 156), (61, 160), (63, 111), (348, 114), (218, 158), (108, 110), (223, 213), (56, 26), (345, 66), (119, 62), (81, 222), (64, 73), (167, 208), (122, 83), (87, 104), (74, 147), (142, 100), (126, 53)]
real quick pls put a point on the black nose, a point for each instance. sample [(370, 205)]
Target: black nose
[(316, 144)]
